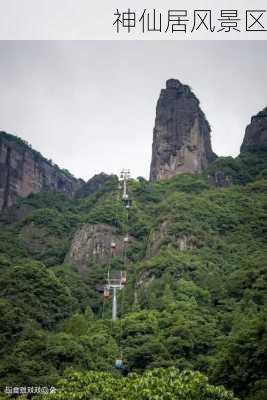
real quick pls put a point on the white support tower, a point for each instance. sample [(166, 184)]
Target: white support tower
[(114, 304), (118, 282), (125, 176), (114, 284)]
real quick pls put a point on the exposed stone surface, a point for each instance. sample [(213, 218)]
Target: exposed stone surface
[(220, 179), (145, 279), (187, 242), (24, 171), (157, 238), (92, 243), (163, 236), (181, 137), (256, 133)]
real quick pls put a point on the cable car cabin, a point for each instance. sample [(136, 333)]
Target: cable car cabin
[(119, 364), (113, 246), (106, 293), (127, 203), (126, 239), (123, 278)]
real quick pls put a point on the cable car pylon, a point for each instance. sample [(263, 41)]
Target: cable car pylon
[(117, 281)]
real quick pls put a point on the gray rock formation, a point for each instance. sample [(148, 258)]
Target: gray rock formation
[(181, 137), (256, 133), (92, 243), (24, 171), (220, 178), (161, 236)]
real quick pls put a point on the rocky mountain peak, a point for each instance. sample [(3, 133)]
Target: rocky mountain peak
[(181, 136), (256, 133), (173, 84)]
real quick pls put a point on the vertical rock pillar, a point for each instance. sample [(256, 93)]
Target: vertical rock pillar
[(181, 136)]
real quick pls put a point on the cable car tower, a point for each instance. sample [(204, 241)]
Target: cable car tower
[(113, 285), (118, 280), (124, 177)]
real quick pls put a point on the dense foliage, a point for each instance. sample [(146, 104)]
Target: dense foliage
[(167, 384), (196, 295)]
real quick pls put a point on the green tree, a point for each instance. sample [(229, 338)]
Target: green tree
[(167, 384)]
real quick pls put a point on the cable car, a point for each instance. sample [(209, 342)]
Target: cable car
[(123, 277), (127, 203), (119, 364), (106, 292), (126, 239)]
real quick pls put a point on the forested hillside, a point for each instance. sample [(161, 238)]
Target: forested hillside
[(195, 297)]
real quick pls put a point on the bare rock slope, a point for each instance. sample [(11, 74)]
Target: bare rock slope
[(24, 171)]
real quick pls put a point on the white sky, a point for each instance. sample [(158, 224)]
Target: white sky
[(90, 105)]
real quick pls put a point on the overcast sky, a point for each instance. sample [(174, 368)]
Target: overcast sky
[(90, 106)]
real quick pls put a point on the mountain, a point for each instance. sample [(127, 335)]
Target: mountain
[(256, 133), (252, 160), (24, 171), (195, 297), (94, 184), (181, 137)]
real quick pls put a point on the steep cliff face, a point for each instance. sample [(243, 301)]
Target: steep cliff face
[(256, 133), (24, 171), (91, 243), (181, 137)]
